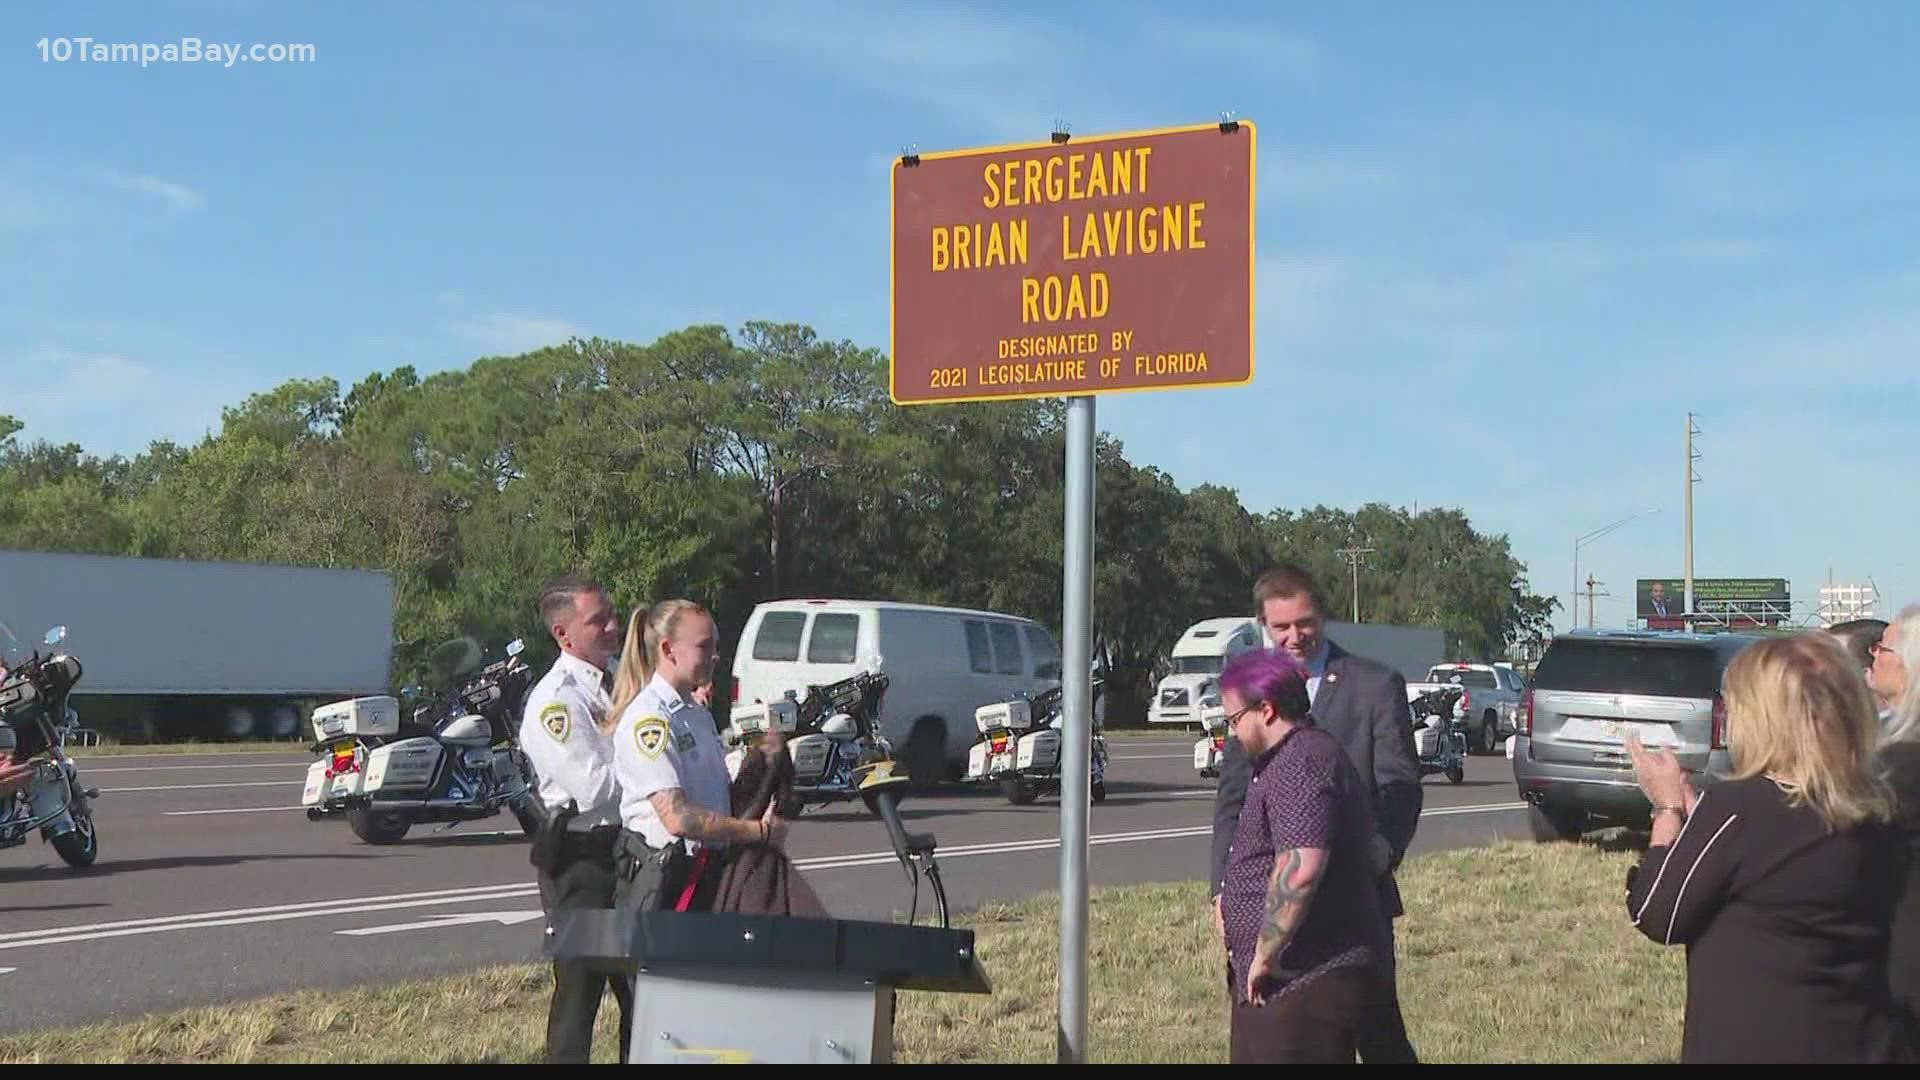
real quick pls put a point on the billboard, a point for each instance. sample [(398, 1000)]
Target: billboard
[(1662, 601), (1116, 262)]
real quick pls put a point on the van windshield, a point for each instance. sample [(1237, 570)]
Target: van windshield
[(1197, 665)]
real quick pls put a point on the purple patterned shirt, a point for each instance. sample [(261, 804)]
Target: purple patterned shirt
[(1305, 794)]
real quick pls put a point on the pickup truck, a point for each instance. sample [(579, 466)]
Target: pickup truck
[(1491, 704)]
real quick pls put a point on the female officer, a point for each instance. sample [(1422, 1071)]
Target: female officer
[(674, 792)]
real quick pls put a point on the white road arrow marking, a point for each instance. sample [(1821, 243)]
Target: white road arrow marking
[(504, 918)]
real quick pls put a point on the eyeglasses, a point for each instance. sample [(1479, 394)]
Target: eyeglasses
[(1234, 717)]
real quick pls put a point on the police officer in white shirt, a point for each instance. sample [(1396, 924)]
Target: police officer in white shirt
[(675, 802), (567, 734)]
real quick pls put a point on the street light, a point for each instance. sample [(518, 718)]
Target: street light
[(1574, 612)]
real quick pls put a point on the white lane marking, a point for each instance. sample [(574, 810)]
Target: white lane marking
[(82, 755), (241, 810), (475, 894), (1149, 757), (281, 915), (184, 768), (465, 891), (8, 971), (202, 787), (435, 922)]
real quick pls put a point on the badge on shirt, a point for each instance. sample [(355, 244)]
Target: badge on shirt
[(650, 735), (555, 719)]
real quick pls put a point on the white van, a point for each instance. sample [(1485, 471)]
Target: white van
[(941, 664), (1198, 658)]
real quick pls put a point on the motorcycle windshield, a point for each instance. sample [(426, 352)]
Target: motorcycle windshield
[(11, 652), (455, 659)]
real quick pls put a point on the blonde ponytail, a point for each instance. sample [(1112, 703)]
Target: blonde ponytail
[(640, 656)]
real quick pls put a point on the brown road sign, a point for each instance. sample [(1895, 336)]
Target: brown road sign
[(1116, 262)]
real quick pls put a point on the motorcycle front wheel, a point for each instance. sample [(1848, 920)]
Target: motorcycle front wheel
[(80, 847)]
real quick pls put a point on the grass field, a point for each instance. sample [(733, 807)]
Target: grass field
[(1507, 954)]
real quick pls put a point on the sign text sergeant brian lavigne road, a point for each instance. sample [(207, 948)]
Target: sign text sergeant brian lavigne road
[(1124, 262)]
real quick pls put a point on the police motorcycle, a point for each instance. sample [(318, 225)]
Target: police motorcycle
[(1211, 748), (456, 757), (35, 720), (1019, 747), (832, 731), (1440, 732)]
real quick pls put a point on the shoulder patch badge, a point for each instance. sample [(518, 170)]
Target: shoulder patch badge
[(650, 735), (554, 718)]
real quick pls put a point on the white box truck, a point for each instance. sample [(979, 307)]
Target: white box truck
[(177, 649)]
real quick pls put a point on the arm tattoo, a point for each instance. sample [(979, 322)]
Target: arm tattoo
[(696, 823), (1287, 899)]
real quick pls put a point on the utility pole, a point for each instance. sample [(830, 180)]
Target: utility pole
[(1591, 584), (1352, 555), (1693, 477)]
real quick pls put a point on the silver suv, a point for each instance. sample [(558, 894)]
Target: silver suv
[(1591, 691)]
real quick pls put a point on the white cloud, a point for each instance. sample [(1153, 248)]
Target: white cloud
[(112, 403), (1295, 294), (1006, 76), (1320, 175), (1270, 52), (1724, 183), (178, 198), (502, 332)]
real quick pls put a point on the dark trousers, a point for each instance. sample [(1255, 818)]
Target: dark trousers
[(1383, 1038), (1316, 1023), (653, 879), (585, 880)]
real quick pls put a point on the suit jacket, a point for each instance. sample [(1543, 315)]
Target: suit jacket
[(1364, 705)]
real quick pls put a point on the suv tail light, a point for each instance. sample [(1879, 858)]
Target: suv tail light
[(1719, 722), (1526, 713), (1466, 701)]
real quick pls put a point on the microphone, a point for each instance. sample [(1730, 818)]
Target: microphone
[(880, 789)]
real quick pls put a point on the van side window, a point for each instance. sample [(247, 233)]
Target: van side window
[(779, 636), (979, 653), (1046, 655), (834, 639), (1006, 649)]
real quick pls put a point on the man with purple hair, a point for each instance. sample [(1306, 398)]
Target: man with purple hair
[(1304, 930)]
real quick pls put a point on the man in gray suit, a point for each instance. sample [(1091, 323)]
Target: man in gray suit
[(1364, 705)]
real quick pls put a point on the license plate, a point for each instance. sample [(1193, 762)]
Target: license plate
[(1581, 729)]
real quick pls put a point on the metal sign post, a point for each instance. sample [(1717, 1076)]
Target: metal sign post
[(1076, 745), (1043, 270)]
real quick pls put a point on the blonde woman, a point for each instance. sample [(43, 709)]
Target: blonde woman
[(1780, 879), (675, 796)]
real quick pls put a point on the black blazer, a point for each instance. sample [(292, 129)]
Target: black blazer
[(1364, 705)]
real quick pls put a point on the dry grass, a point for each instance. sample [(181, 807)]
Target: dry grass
[(248, 746), (1511, 953)]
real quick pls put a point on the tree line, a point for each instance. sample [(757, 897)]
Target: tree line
[(730, 468)]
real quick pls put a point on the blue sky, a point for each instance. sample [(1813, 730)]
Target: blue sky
[(1503, 248)]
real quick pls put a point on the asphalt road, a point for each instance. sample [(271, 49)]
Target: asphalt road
[(213, 886)]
